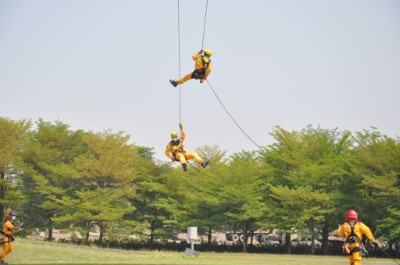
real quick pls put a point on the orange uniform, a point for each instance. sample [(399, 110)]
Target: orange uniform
[(354, 231), (8, 228), (203, 68), (176, 152)]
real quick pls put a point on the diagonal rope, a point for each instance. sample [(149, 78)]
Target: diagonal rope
[(233, 119), (179, 63), (389, 256), (204, 30)]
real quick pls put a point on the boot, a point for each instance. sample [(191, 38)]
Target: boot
[(173, 82), (184, 166), (204, 163)]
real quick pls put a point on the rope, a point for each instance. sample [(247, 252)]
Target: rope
[(204, 30), (389, 256), (179, 63), (232, 117), (202, 46)]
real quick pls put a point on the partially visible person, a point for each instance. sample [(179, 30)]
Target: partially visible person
[(8, 230)]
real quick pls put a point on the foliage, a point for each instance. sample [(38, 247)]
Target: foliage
[(13, 141), (55, 177)]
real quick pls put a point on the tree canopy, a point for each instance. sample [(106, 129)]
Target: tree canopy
[(56, 177)]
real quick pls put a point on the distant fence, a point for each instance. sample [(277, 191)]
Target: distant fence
[(222, 247)]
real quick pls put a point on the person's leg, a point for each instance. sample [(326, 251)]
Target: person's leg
[(196, 157), (10, 247), (182, 160), (351, 259), (5, 251), (355, 258), (184, 79)]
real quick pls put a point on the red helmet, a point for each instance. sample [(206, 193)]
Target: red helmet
[(351, 216)]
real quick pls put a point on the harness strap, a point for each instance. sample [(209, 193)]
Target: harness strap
[(179, 150), (353, 238), (205, 64)]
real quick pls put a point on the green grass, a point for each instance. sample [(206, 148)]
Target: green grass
[(38, 252)]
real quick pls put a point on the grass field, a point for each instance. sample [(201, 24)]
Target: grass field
[(38, 252)]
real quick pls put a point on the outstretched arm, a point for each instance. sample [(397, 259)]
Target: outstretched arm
[(367, 232), (183, 134)]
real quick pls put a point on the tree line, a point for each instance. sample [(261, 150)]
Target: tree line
[(55, 177)]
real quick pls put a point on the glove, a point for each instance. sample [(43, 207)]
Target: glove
[(23, 226), (180, 126)]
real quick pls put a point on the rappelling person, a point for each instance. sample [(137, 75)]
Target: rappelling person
[(176, 152), (353, 230), (203, 68)]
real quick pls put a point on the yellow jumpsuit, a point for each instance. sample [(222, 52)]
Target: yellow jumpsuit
[(7, 245), (199, 66), (359, 229), (177, 152)]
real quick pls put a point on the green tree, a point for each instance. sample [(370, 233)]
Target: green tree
[(201, 185), (376, 171), (49, 173), (14, 138), (307, 168), (159, 202), (242, 193), (106, 175)]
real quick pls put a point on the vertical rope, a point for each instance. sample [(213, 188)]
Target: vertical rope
[(204, 30), (179, 63)]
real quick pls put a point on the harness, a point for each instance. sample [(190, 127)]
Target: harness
[(179, 150), (353, 239), (205, 64), (199, 74)]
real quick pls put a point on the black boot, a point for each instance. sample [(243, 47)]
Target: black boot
[(173, 82), (184, 166), (204, 163)]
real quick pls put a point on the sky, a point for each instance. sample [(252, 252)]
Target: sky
[(101, 65)]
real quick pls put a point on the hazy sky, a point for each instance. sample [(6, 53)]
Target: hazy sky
[(99, 65)]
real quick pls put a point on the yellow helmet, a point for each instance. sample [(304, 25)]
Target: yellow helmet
[(174, 134), (208, 52)]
